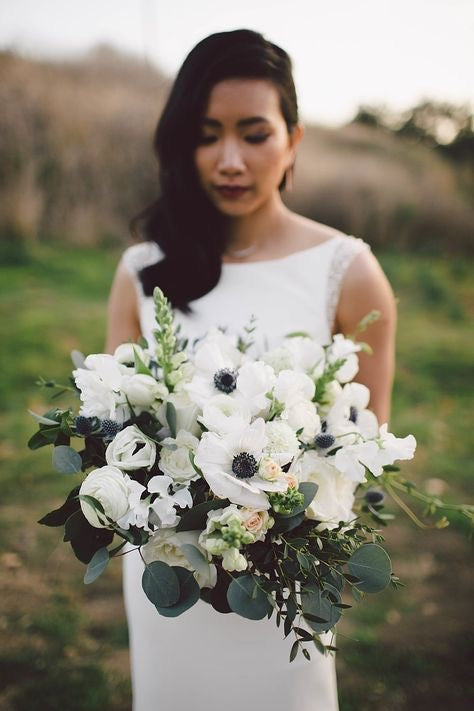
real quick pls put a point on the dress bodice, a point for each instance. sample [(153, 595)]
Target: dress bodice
[(298, 292)]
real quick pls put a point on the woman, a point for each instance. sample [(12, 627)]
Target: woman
[(223, 246)]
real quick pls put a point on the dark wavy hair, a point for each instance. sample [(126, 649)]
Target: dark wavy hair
[(189, 230)]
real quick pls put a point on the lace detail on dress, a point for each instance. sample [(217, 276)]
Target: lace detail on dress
[(137, 257), (343, 255)]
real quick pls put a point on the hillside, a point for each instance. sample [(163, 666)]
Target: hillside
[(76, 162)]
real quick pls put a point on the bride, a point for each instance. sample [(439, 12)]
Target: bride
[(222, 245)]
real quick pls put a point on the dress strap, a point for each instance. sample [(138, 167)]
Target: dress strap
[(346, 249), (137, 257)]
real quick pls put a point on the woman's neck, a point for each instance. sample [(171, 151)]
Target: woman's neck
[(256, 232)]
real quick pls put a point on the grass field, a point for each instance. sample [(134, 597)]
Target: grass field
[(63, 645)]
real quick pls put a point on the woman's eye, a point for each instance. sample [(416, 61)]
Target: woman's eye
[(206, 140), (258, 138)]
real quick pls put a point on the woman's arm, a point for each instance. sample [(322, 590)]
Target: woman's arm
[(122, 311), (365, 287)]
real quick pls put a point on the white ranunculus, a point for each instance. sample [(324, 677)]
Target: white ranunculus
[(109, 487), (282, 442), (131, 449), (292, 387), (186, 412), (223, 414), (143, 390), (335, 495), (165, 545), (174, 457), (303, 415), (125, 354)]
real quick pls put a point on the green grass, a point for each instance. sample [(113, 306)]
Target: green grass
[(69, 639)]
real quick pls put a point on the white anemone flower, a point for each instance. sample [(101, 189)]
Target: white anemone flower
[(254, 380), (229, 463), (348, 417), (224, 414), (216, 363)]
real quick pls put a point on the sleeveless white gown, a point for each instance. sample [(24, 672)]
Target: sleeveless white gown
[(204, 659)]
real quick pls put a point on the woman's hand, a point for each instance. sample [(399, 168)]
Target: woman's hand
[(365, 287)]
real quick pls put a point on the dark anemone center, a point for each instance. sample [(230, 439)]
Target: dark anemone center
[(225, 380), (244, 465), (353, 414)]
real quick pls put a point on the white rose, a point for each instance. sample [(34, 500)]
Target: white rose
[(175, 462), (109, 487), (131, 449), (269, 469), (303, 415), (143, 390), (282, 443), (257, 522), (165, 545), (335, 495)]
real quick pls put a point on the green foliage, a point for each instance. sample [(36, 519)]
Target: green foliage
[(160, 584), (372, 566), (246, 597)]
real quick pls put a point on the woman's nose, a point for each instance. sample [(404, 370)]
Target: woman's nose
[(230, 158)]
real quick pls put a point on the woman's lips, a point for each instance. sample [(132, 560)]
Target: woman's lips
[(231, 191)]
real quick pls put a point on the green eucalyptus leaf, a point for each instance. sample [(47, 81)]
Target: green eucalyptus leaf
[(66, 460), (371, 564), (247, 599), (97, 565), (189, 593), (315, 604), (161, 584), (195, 558)]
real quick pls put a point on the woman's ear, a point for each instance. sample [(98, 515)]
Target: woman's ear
[(295, 137)]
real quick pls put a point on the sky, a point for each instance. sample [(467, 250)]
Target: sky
[(345, 52)]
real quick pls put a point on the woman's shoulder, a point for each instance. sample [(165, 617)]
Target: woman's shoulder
[(140, 255), (314, 234)]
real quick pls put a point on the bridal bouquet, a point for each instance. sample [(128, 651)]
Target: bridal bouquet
[(249, 483)]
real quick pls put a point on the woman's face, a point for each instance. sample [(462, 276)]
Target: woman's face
[(244, 147)]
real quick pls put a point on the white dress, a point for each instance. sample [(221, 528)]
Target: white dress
[(205, 659)]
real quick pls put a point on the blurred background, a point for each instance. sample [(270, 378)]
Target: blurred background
[(385, 91)]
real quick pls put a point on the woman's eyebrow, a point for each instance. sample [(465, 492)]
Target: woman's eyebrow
[(207, 121)]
